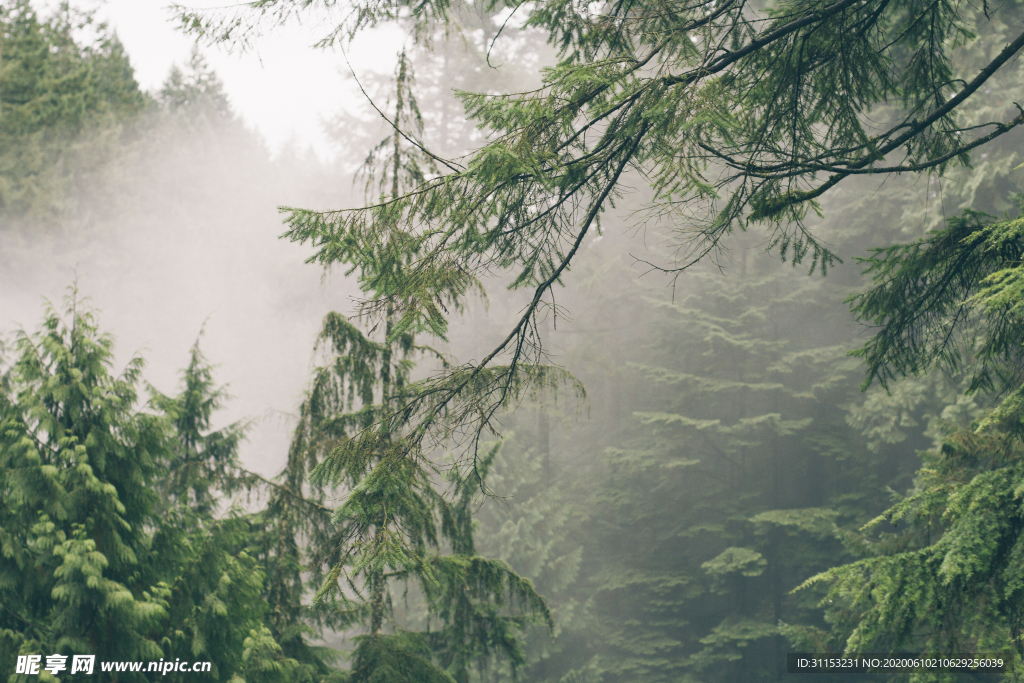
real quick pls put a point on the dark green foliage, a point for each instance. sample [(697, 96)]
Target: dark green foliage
[(204, 459), (110, 544), (76, 456), (402, 658), (395, 527), (732, 474), (60, 105), (943, 569), (734, 115), (950, 300), (215, 600), (215, 607), (940, 569)]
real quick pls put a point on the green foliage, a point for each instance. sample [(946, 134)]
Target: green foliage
[(110, 544), (61, 103), (937, 569), (216, 586), (402, 657), (726, 467), (734, 118), (705, 529), (699, 519), (395, 527), (262, 660), (76, 454), (943, 574), (196, 91), (205, 458), (949, 300), (744, 561), (534, 523)]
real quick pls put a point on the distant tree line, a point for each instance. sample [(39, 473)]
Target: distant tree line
[(734, 496)]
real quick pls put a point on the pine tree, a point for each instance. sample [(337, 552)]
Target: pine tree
[(938, 571)]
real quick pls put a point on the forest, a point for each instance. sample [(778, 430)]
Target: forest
[(636, 341)]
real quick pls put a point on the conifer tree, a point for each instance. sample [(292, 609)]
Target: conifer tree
[(725, 490), (938, 569), (195, 93), (204, 459), (730, 111), (940, 375), (113, 543), (77, 454), (661, 560), (61, 102), (395, 526), (205, 553), (535, 525)]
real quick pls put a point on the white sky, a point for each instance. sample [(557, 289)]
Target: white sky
[(284, 90)]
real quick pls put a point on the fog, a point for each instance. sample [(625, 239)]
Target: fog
[(724, 454), (182, 235)]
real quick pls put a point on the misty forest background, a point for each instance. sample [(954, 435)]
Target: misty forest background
[(656, 530)]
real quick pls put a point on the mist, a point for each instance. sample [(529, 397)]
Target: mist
[(685, 520), (182, 237)]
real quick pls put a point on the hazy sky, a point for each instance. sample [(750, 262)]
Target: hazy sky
[(284, 90)]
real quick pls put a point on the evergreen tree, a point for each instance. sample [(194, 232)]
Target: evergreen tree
[(733, 116), (77, 454), (110, 542), (668, 529), (204, 459), (948, 301), (60, 105), (395, 527), (196, 92), (938, 568), (206, 555), (935, 350), (724, 493)]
